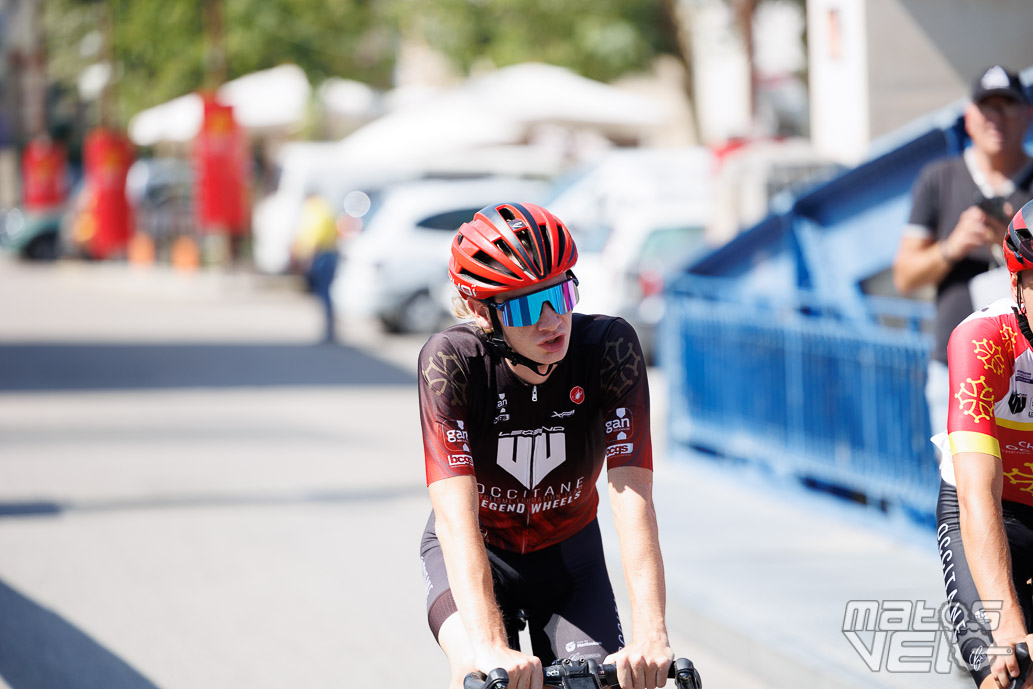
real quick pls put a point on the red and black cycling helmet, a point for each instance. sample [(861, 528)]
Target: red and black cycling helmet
[(509, 246), (1018, 243)]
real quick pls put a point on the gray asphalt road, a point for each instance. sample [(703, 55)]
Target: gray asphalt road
[(192, 495)]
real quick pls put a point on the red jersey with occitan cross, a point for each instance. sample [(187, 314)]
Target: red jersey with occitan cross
[(991, 395)]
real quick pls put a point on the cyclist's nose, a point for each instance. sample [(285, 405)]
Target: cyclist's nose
[(549, 320)]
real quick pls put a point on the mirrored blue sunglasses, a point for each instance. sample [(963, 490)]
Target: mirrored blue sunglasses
[(527, 309)]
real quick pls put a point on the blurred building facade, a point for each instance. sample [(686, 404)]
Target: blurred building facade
[(22, 87), (875, 65)]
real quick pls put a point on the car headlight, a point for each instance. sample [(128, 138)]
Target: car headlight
[(13, 226)]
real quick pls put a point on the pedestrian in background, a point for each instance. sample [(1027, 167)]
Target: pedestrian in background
[(315, 254), (960, 212)]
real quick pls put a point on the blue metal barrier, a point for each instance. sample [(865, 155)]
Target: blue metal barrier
[(804, 393)]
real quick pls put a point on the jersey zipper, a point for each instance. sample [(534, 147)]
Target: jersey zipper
[(534, 393)]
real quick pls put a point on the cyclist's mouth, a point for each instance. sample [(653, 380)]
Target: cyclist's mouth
[(554, 344)]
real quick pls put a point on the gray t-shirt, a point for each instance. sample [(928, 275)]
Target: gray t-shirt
[(944, 190)]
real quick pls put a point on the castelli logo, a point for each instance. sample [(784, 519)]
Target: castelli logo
[(577, 394)]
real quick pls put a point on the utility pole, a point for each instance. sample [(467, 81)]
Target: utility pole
[(215, 44), (23, 76), (107, 100), (744, 11)]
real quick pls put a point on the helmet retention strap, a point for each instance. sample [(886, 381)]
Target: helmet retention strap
[(497, 341), (1020, 312)]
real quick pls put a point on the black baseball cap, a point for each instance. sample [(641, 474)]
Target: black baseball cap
[(998, 81)]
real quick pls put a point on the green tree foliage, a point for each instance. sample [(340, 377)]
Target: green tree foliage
[(601, 39), (160, 49)]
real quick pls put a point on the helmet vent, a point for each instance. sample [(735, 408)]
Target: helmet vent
[(486, 260), (524, 236), (479, 278)]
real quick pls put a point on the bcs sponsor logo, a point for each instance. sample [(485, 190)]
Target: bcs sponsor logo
[(460, 460), (620, 449), (577, 394)]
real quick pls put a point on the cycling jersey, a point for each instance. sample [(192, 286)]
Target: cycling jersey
[(991, 390), (536, 450), (991, 381)]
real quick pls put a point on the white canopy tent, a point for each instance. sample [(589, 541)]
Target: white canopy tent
[(271, 99), (498, 109)]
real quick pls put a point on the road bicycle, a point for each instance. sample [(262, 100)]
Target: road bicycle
[(584, 674)]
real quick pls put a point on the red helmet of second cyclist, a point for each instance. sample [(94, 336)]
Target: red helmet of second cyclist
[(1018, 243), (509, 246)]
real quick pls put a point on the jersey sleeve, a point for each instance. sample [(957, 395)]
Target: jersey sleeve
[(443, 389), (925, 204), (625, 394), (976, 357)]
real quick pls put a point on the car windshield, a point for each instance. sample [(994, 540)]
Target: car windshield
[(670, 245), (591, 241)]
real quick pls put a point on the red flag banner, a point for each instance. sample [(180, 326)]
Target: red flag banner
[(44, 169), (220, 160), (107, 157)]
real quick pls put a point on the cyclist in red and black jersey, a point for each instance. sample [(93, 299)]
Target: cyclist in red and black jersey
[(521, 407), (985, 508)]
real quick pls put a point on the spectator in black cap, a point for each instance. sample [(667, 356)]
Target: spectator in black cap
[(960, 212)]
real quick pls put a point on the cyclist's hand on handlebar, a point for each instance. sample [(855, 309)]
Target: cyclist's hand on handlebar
[(1005, 666), (642, 664), (525, 672)]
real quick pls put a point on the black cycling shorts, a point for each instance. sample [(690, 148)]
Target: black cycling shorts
[(564, 591), (965, 611)]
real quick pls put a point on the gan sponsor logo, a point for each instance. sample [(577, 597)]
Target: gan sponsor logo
[(620, 424), (456, 438)]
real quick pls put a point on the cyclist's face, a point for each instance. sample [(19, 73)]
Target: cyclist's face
[(997, 124), (545, 341)]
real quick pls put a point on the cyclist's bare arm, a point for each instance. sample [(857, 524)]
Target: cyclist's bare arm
[(980, 480), (643, 662), (455, 505)]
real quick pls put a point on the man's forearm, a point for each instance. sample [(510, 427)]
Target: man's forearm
[(989, 560), (469, 572), (920, 266), (635, 520)]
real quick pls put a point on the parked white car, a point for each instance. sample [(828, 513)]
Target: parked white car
[(636, 214), (396, 269), (303, 167), (624, 273)]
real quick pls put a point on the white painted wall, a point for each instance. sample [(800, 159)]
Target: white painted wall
[(721, 91), (898, 60), (838, 59)]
